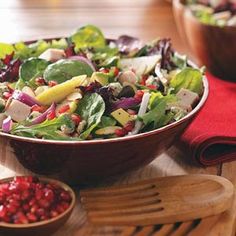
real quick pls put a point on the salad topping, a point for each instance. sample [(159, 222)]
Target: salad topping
[(86, 87)]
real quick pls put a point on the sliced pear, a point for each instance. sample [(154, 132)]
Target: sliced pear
[(141, 65), (76, 95), (59, 92), (107, 130)]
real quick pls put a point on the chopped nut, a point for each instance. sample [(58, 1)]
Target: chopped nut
[(81, 126)]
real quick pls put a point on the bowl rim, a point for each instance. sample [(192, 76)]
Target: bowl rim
[(44, 222), (190, 14), (118, 139)]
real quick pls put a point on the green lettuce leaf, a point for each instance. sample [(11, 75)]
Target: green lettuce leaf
[(24, 51), (47, 130), (88, 36), (91, 109), (158, 116), (188, 78), (106, 121)]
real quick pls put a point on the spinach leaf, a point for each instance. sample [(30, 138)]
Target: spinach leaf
[(107, 121), (88, 36), (5, 49), (24, 51), (31, 69), (65, 69), (91, 109), (48, 129), (188, 78)]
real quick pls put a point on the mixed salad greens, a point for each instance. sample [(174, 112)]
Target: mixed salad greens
[(86, 87), (214, 12)]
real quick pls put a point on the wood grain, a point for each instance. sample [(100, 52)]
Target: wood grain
[(159, 201)]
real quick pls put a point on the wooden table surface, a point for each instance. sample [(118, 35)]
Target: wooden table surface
[(147, 19)]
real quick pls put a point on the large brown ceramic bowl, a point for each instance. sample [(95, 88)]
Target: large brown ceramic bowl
[(213, 46), (83, 161)]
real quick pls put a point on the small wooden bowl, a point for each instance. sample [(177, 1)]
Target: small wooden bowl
[(41, 228), (213, 46)]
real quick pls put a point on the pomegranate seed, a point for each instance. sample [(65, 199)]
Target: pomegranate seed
[(53, 213), (51, 115), (129, 126), (2, 197), (43, 203), (60, 209), (52, 83), (14, 202), (21, 218), (65, 205), (3, 211), (16, 196), (25, 195), (11, 208), (38, 194), (49, 195), (65, 196), (44, 218), (120, 132), (115, 71), (7, 219), (34, 208), (40, 212), (64, 109), (39, 186), (40, 81), (104, 70), (4, 187), (7, 95), (143, 80), (32, 202), (76, 118), (139, 95), (25, 207), (31, 217), (131, 112), (152, 86)]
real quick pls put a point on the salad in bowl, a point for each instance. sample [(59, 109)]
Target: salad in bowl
[(214, 12), (85, 87)]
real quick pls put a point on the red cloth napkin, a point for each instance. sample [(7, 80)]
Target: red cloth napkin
[(211, 137)]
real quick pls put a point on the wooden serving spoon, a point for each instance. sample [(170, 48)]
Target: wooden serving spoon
[(159, 201)]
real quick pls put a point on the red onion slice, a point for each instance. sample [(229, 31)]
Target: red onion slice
[(125, 103), (41, 118), (83, 59), (7, 124), (24, 98)]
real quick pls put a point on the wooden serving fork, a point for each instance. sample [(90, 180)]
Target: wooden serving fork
[(159, 201)]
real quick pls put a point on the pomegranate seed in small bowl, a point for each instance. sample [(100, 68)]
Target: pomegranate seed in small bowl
[(34, 206)]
